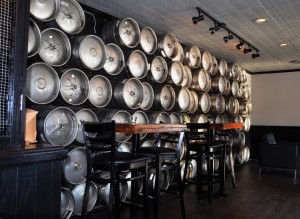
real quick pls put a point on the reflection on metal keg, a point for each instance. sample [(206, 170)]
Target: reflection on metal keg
[(148, 40), (67, 203)]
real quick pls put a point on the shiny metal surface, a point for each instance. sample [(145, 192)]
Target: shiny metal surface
[(71, 18), (67, 203), (247, 124), (148, 96), (218, 84), (148, 143), (74, 86), (180, 54), (192, 57), (204, 102), (234, 70), (166, 97), (207, 62), (175, 118), (140, 117), (194, 102), (42, 83), (187, 77), (148, 40), (104, 192), (215, 68), (238, 119), (34, 39), (217, 103), (183, 98), (227, 86), (115, 59), (137, 64), (223, 68), (75, 166), (159, 69), (201, 80), (100, 91), (235, 87), (45, 10), (176, 72), (91, 52), (56, 48), (159, 117), (124, 147), (232, 105), (84, 115), (199, 118), (139, 186), (167, 45), (185, 118)]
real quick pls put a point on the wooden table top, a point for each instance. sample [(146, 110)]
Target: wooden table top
[(161, 128)]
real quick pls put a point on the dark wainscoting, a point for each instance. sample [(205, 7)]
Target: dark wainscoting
[(281, 133)]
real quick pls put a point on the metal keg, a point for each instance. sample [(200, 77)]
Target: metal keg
[(171, 145), (217, 103), (124, 147), (58, 126), (223, 68), (238, 140), (247, 123), (245, 107), (215, 68), (148, 96), (136, 64), (148, 40), (67, 203), (115, 61), (246, 154), (34, 39), (139, 185), (75, 166), (245, 91), (74, 86), (176, 72), (204, 102), (232, 105), (180, 55), (187, 77), (164, 180), (164, 97), (104, 191), (159, 117), (55, 48), (158, 69), (42, 83), (167, 45), (84, 115), (239, 156), (182, 171), (244, 76), (192, 56), (148, 143), (140, 117), (185, 118), (100, 91), (71, 18), (234, 71), (129, 93), (201, 80), (78, 193), (123, 32), (175, 118), (238, 119), (90, 50), (199, 118), (119, 116), (218, 84), (235, 87), (227, 86), (194, 102), (183, 99), (45, 10), (193, 168), (207, 62), (218, 119)]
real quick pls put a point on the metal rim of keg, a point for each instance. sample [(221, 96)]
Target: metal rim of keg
[(194, 168), (238, 119), (176, 71), (124, 147), (45, 11), (67, 203), (183, 98), (84, 115), (137, 64), (207, 62), (192, 56), (240, 156), (227, 86), (234, 70), (140, 117), (187, 77), (165, 179), (218, 119), (43, 83), (194, 102), (167, 44), (201, 80), (204, 102), (148, 96), (218, 84), (131, 27), (217, 103), (175, 118), (71, 17), (235, 88), (247, 124), (74, 86), (171, 145), (148, 143), (102, 94), (34, 39), (129, 92), (159, 69), (148, 40), (75, 166), (119, 116), (54, 123), (244, 76), (180, 55), (223, 67), (239, 140), (55, 48), (232, 105), (246, 154), (185, 118), (166, 97), (115, 59), (104, 192), (215, 67), (244, 107), (199, 118), (91, 51), (78, 193), (139, 186), (158, 117), (216, 164)]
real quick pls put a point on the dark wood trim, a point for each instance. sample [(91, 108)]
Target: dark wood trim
[(274, 72)]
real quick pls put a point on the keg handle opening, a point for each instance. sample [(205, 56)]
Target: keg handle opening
[(95, 23)]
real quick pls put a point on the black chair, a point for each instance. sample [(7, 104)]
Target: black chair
[(102, 156), (198, 140), (160, 157)]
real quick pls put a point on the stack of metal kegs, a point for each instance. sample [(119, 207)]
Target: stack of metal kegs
[(85, 65)]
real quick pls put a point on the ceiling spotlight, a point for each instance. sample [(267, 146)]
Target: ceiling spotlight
[(247, 50), (198, 18), (227, 38), (240, 45), (217, 27), (255, 55)]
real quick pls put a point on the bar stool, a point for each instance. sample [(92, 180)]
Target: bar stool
[(100, 137), (159, 156), (198, 140)]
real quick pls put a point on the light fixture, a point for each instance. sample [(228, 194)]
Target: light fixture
[(260, 20), (255, 55), (249, 49), (198, 18), (240, 45), (283, 44), (217, 27), (227, 38)]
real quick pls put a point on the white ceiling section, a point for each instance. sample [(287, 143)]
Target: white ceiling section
[(175, 16)]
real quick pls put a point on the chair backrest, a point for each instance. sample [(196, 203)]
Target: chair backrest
[(198, 132)]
